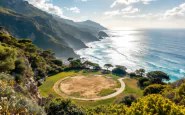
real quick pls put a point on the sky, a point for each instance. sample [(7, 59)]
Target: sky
[(119, 14)]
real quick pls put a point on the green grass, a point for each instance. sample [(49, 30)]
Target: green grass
[(94, 103), (105, 92), (131, 88), (76, 94), (47, 87)]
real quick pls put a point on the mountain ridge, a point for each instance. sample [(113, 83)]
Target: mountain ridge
[(46, 31)]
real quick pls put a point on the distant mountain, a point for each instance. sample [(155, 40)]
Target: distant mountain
[(93, 24), (89, 26), (47, 31)]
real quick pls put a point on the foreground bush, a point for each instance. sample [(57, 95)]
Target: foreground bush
[(155, 105), (117, 109), (12, 103), (154, 89), (64, 107)]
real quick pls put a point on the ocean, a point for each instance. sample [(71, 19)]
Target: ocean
[(151, 49)]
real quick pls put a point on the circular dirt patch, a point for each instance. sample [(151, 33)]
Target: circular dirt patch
[(86, 87)]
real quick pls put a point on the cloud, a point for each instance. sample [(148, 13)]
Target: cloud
[(74, 9), (84, 0), (128, 2), (47, 6), (175, 13), (127, 10), (144, 16)]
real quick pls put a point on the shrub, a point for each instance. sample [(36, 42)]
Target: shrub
[(20, 66), (127, 100), (153, 89), (12, 103), (64, 107), (7, 59), (116, 109), (154, 105)]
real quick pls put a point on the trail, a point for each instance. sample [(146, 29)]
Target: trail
[(57, 90)]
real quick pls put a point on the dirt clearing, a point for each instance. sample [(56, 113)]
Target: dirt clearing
[(86, 87)]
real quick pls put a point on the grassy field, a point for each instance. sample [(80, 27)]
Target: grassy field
[(131, 88), (47, 87), (106, 92)]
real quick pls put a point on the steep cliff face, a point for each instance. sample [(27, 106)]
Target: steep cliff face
[(24, 27), (102, 34), (47, 31)]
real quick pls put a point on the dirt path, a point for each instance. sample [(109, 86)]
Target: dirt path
[(57, 90)]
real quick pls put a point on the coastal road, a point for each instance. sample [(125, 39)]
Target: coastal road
[(57, 90)]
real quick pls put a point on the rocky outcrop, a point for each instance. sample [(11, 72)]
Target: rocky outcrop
[(102, 34)]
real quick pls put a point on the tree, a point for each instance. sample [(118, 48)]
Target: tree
[(75, 63), (57, 62), (70, 59), (96, 66), (153, 89), (154, 105), (107, 66), (142, 82), (141, 72), (87, 64), (7, 58), (122, 67), (158, 77), (119, 71), (48, 54), (25, 41), (132, 74)]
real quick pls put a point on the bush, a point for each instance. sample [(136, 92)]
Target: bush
[(64, 107), (7, 59), (20, 66), (127, 100), (154, 105), (12, 103), (153, 89), (5, 77), (116, 109)]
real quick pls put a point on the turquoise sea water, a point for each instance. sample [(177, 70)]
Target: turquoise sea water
[(152, 49)]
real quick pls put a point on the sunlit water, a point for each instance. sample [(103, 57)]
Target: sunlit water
[(154, 49)]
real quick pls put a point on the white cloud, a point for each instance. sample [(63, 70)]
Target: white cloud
[(74, 9), (175, 13), (47, 6), (128, 2), (127, 10), (84, 0)]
